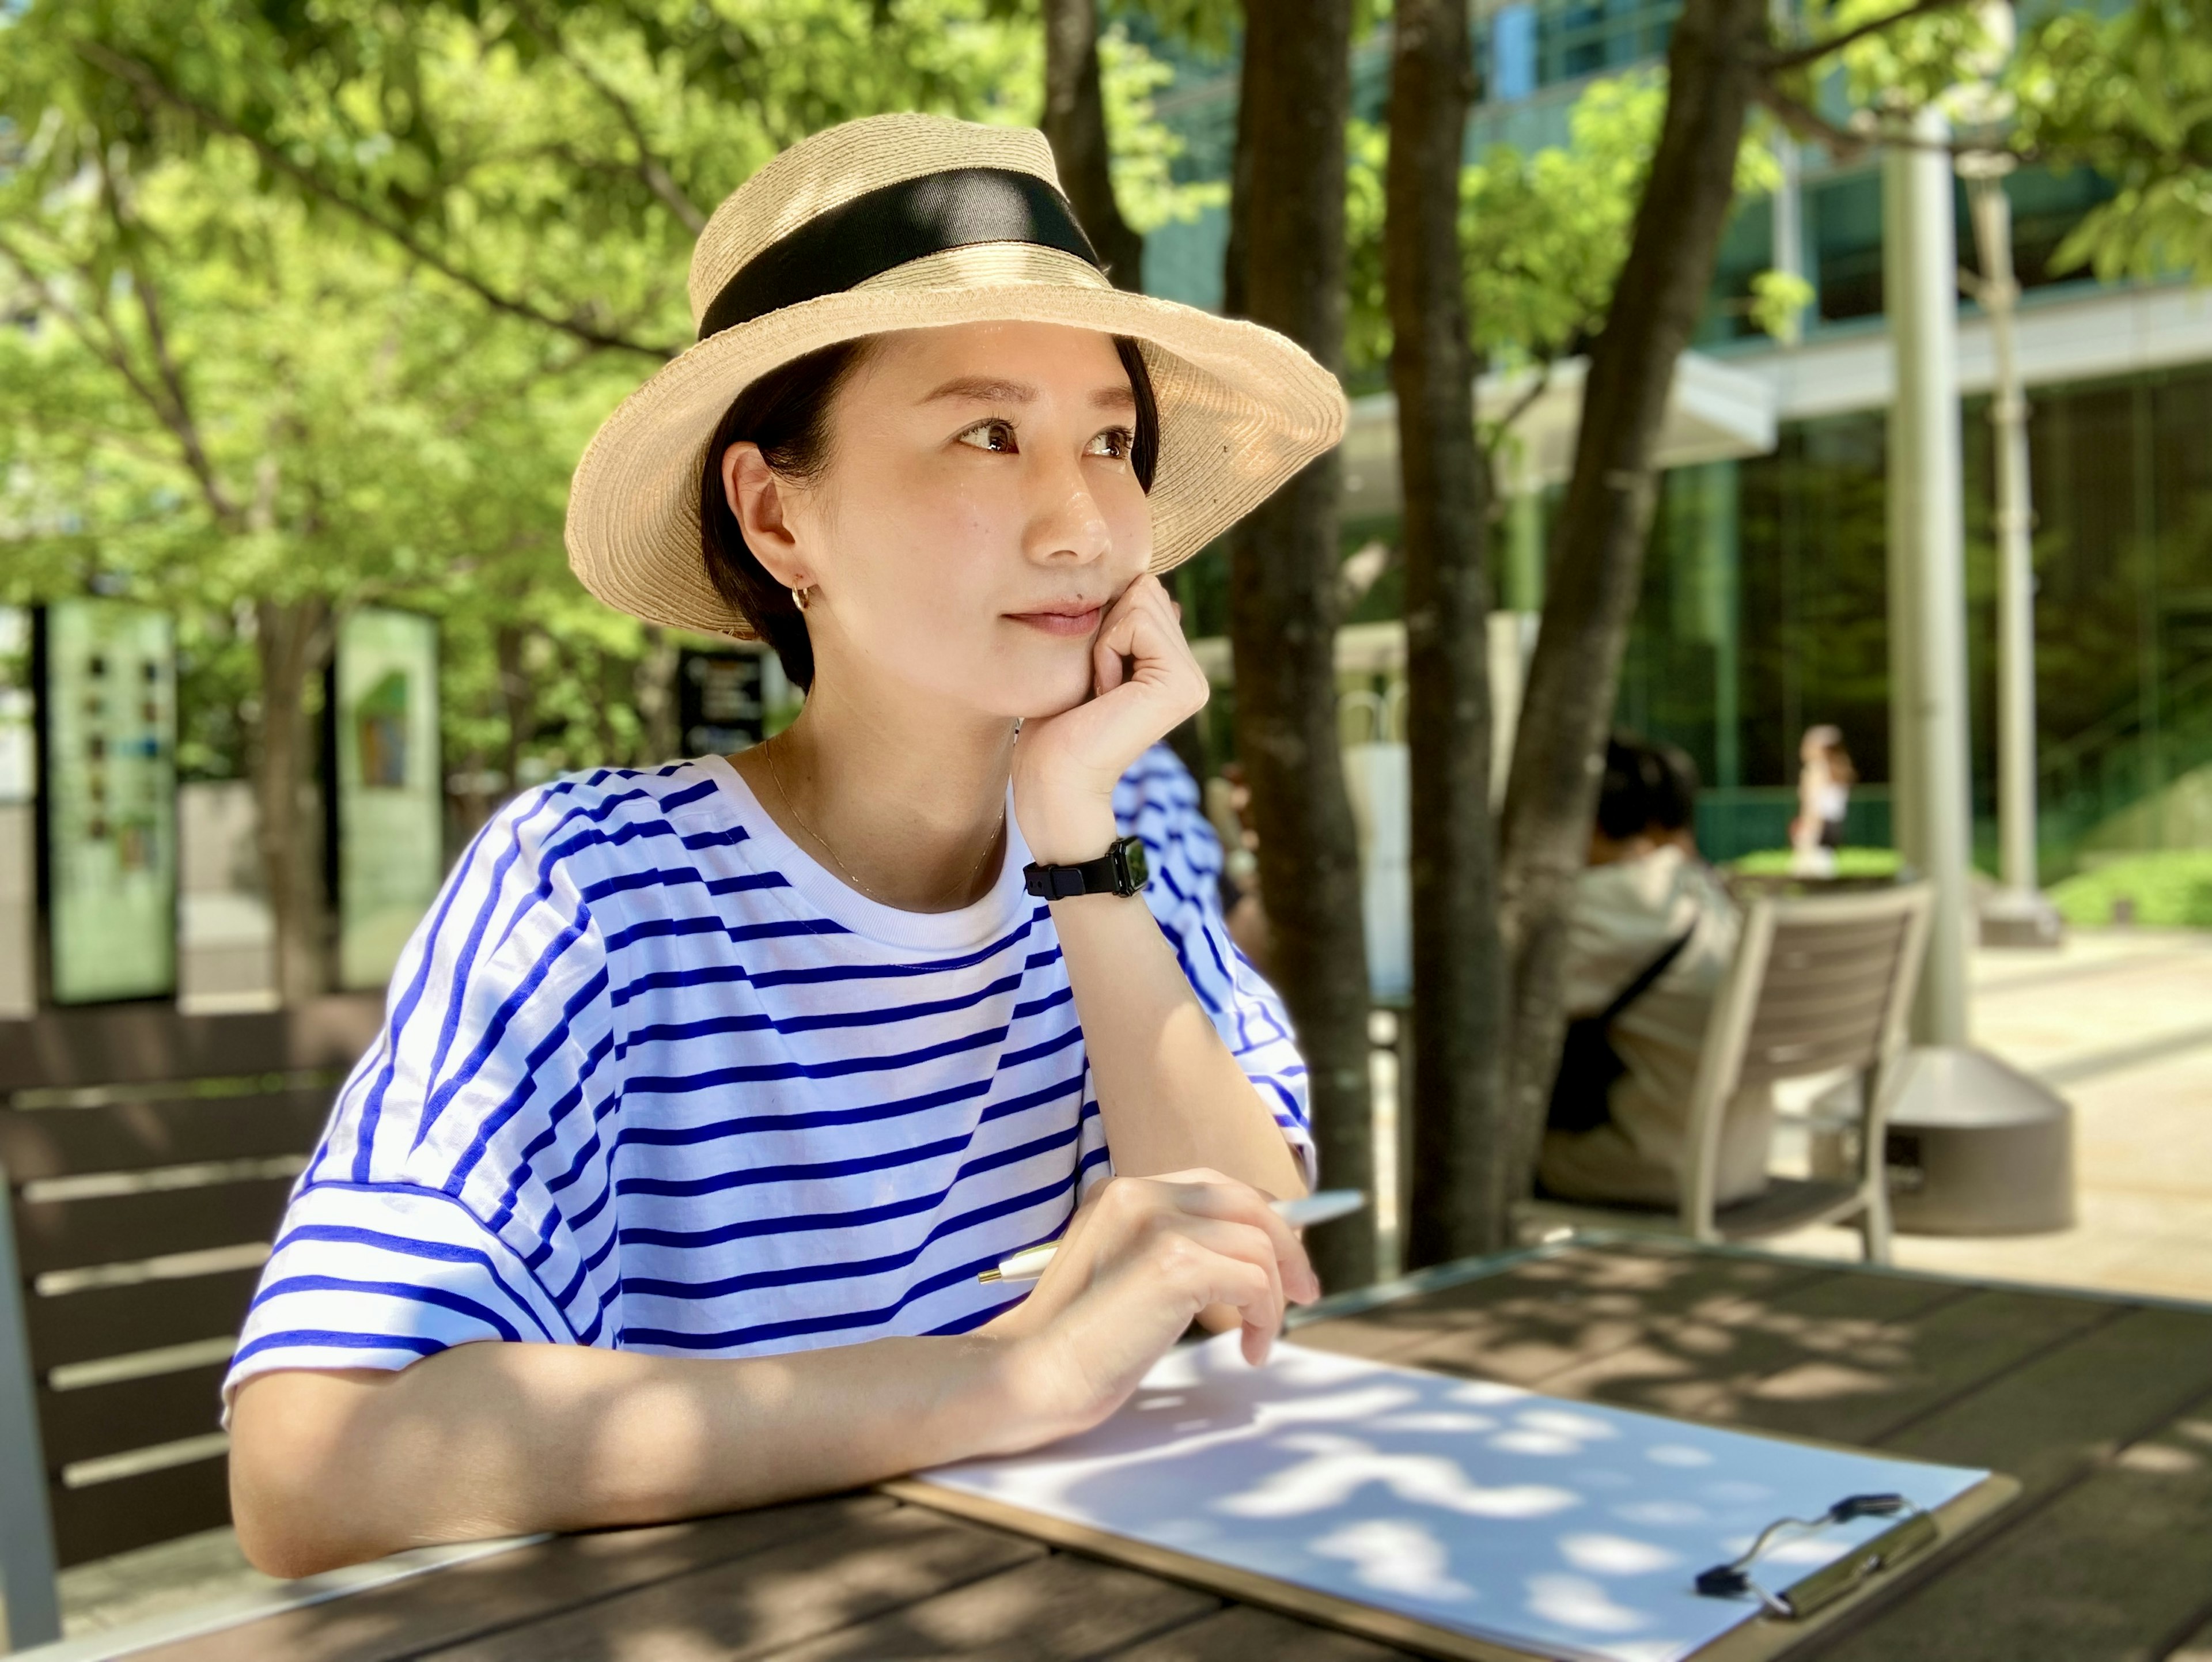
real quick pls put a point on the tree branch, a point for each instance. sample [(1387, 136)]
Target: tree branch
[(1804, 122), (104, 343), (1522, 406), (150, 84), (178, 412), (1798, 58), (649, 167), (1846, 143)]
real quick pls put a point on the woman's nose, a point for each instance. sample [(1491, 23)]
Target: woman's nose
[(1066, 524)]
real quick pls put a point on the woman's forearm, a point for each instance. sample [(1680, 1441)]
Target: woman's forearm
[(328, 1468), (1172, 1096), (497, 1439)]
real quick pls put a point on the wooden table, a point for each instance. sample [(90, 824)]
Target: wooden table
[(2102, 1407)]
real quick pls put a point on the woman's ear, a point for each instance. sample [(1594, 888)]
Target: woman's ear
[(762, 504)]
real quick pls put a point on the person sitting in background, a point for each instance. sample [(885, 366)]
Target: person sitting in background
[(1652, 935)]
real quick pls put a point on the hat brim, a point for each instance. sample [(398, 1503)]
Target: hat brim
[(1241, 409)]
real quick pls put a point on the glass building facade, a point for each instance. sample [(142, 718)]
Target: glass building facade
[(1764, 595)]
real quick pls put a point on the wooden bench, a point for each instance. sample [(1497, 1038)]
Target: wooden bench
[(145, 1158)]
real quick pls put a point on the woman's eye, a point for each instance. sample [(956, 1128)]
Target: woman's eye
[(994, 436), (1115, 442)]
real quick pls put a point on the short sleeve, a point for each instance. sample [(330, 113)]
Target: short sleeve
[(461, 1190), (1159, 801)]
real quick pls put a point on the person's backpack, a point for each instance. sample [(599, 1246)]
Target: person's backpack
[(1582, 1095)]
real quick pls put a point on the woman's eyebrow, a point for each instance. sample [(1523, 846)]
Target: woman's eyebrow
[(982, 389)]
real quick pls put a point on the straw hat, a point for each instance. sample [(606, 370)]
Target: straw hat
[(907, 222)]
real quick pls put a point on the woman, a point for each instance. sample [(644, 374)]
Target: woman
[(1825, 778), (706, 1094)]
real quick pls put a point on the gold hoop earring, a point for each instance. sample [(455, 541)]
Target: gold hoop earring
[(799, 596)]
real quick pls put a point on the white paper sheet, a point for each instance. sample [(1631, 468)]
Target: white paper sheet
[(1561, 1528)]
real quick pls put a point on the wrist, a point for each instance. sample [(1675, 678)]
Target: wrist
[(1022, 1405), (1066, 830)]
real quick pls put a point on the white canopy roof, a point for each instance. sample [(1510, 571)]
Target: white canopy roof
[(1715, 412)]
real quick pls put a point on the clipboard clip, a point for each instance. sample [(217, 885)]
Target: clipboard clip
[(1915, 1530)]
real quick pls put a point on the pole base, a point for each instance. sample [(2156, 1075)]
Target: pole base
[(1976, 1147), (2019, 917)]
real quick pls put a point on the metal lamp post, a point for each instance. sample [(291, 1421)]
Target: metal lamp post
[(2019, 914), (1975, 1147)]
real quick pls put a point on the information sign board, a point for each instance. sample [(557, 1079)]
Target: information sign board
[(19, 751), (111, 800), (718, 704), (389, 815), (18, 773)]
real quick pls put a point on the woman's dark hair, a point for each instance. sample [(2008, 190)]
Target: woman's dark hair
[(1646, 785), (787, 413)]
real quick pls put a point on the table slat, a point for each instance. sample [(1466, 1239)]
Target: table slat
[(2049, 1421), (769, 1601), (1955, 1349), (1056, 1610), (450, 1605), (1542, 1317), (1702, 1362), (1243, 1634), (2114, 1569), (2197, 1647)]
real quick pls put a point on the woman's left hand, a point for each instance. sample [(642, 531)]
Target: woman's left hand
[(1143, 681)]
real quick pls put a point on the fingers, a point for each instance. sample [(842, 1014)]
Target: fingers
[(1129, 1208), (1209, 1194), (1141, 639), (1118, 643), (1202, 1262)]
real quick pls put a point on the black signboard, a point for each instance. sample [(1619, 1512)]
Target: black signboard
[(718, 706)]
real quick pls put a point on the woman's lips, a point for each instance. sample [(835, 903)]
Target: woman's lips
[(1059, 622)]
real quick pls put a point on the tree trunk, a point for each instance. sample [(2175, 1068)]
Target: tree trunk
[(1458, 998), (1597, 557), (293, 640), (1075, 126), (654, 684), (1283, 597), (508, 642)]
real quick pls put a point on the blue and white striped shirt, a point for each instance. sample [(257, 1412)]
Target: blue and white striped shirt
[(652, 1079)]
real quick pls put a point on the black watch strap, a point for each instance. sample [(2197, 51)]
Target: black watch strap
[(1120, 870)]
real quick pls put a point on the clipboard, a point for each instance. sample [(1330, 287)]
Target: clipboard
[(1469, 1521), (1763, 1638)]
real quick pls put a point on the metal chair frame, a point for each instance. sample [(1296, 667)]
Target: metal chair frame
[(1809, 992)]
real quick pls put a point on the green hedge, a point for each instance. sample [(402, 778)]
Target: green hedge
[(2170, 890), (1849, 862)]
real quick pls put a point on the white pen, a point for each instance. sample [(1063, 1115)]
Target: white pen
[(1302, 1212)]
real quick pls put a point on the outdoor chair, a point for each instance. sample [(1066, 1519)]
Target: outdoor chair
[(145, 1158), (1819, 983)]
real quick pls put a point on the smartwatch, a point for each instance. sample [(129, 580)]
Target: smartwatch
[(1120, 870)]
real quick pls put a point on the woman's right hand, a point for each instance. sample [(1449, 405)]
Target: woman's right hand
[(1137, 1265)]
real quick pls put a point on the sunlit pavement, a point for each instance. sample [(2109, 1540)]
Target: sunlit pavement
[(2120, 1022)]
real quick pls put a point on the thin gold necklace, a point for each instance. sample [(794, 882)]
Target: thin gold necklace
[(767, 749)]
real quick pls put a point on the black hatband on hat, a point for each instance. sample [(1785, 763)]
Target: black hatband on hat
[(845, 246)]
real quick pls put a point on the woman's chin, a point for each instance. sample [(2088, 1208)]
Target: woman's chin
[(1044, 683), (1055, 701)]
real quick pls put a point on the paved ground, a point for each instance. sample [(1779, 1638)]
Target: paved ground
[(2120, 1021)]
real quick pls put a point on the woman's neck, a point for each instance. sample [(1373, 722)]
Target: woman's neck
[(901, 798)]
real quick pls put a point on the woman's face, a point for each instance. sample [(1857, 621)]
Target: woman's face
[(977, 514)]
